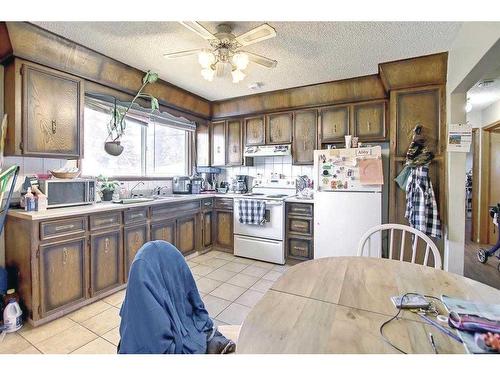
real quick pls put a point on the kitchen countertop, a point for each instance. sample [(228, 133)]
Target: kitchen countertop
[(55, 213)]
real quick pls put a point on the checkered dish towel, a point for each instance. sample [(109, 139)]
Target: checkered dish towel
[(421, 206), (252, 211)]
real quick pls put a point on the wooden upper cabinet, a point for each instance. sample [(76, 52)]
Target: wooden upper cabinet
[(334, 124), (279, 128), (305, 124), (106, 264), (369, 121), (412, 107), (52, 112), (255, 131), (63, 274), (218, 144), (202, 145), (234, 143)]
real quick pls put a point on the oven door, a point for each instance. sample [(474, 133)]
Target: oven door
[(272, 229)]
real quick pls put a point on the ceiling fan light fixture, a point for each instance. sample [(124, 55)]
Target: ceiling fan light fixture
[(238, 75), (241, 60), (206, 58), (208, 74)]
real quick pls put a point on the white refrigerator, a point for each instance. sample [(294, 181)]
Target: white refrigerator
[(344, 208)]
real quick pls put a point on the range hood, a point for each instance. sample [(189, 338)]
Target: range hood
[(269, 150)]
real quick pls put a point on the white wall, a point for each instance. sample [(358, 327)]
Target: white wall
[(473, 40), (491, 113)]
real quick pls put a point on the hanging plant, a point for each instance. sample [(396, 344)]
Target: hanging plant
[(117, 123)]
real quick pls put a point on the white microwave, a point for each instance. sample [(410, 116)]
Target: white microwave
[(68, 192)]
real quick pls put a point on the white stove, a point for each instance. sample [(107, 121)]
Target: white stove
[(264, 242)]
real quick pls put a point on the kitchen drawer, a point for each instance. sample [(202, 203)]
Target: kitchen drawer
[(135, 215), (64, 227), (301, 226), (224, 203), (207, 204), (173, 210), (300, 248), (105, 220), (301, 209)]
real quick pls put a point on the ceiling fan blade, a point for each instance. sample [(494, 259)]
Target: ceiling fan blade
[(261, 60), (257, 34), (175, 55), (198, 29)]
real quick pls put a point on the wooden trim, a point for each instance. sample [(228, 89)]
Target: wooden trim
[(484, 199), (38, 45), (349, 90), (476, 132), (493, 127)]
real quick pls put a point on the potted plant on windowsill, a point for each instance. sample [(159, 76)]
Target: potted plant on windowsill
[(117, 124), (106, 187)]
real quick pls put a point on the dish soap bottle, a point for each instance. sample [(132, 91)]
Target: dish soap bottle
[(12, 314), (29, 200)]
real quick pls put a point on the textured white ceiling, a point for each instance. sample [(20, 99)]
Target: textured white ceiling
[(307, 52)]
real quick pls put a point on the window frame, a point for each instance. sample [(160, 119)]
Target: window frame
[(189, 139)]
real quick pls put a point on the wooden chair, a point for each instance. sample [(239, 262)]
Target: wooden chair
[(430, 246)]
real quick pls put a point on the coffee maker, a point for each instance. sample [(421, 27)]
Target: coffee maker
[(240, 184), (209, 177)]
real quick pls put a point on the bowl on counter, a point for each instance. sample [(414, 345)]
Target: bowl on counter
[(66, 175)]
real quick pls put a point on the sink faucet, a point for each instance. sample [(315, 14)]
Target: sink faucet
[(157, 190), (140, 183)]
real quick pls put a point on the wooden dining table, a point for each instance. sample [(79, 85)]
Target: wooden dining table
[(337, 305)]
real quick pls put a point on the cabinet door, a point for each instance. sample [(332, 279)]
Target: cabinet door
[(106, 264), (304, 136), (279, 128), (234, 143), (300, 248), (135, 237), (224, 229), (202, 145), (164, 230), (52, 112), (369, 121), (207, 229), (218, 144), (63, 274), (414, 107), (255, 131), (334, 124), (186, 234)]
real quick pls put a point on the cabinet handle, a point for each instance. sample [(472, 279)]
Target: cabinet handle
[(335, 128), (218, 149), (368, 125), (54, 127), (106, 245), (64, 227), (136, 239), (164, 230), (235, 149), (65, 255)]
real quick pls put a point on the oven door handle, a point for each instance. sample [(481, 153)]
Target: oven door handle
[(265, 240)]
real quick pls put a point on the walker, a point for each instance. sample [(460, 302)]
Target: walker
[(482, 254)]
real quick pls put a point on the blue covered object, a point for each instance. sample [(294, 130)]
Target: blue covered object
[(3, 280), (162, 311)]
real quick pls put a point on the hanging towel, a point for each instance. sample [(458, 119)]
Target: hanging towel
[(421, 206), (252, 211)]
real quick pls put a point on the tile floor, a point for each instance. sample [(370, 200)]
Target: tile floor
[(230, 287)]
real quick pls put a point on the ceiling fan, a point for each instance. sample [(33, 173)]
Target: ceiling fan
[(225, 54)]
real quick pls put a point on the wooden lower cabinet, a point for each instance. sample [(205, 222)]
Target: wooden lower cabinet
[(134, 238), (223, 237), (187, 234), (206, 240), (63, 275), (106, 261), (164, 230), (299, 242)]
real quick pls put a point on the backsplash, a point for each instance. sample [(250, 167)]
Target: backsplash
[(267, 165)]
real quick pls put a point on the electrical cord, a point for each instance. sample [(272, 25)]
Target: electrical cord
[(400, 308)]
